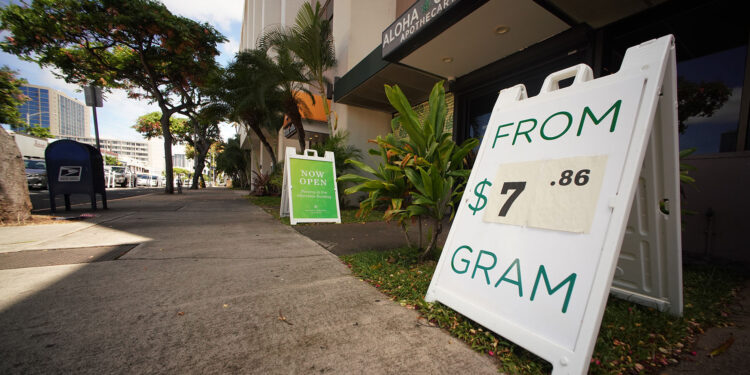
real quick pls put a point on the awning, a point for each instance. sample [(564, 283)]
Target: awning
[(363, 85)]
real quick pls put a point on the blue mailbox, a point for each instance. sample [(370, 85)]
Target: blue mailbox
[(74, 168)]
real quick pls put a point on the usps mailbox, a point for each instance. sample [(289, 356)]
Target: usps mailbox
[(74, 168)]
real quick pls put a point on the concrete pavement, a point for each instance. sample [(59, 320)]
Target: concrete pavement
[(213, 285)]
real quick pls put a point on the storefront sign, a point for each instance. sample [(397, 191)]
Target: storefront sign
[(290, 130), (422, 13), (533, 248), (309, 193)]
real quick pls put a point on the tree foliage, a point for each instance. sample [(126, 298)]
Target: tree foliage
[(310, 39), (421, 176), (136, 45), (342, 151), (11, 97), (233, 161), (149, 125), (699, 99), (248, 93)]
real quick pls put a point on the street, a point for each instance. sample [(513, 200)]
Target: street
[(40, 198)]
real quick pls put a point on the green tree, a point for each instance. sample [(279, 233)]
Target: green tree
[(11, 97), (310, 39), (199, 132), (136, 45), (234, 161), (248, 94), (292, 82), (111, 160), (149, 125)]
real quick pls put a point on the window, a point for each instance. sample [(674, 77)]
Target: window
[(710, 89)]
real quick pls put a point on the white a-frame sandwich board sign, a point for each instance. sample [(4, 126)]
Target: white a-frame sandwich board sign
[(535, 242), (309, 193)]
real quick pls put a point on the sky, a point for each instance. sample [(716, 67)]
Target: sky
[(119, 112)]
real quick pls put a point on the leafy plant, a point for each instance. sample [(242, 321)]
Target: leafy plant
[(342, 151), (431, 162)]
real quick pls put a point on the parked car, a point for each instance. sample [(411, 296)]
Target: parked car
[(143, 180), (154, 181), (123, 177), (36, 173)]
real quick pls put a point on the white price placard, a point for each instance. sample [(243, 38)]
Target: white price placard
[(556, 194), (534, 244)]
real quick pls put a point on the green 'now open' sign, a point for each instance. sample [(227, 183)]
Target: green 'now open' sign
[(309, 193)]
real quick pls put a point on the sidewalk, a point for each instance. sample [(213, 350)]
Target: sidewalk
[(211, 284)]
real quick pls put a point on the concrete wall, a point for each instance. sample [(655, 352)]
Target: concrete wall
[(721, 186)]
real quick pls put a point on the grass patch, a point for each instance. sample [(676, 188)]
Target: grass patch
[(632, 338), (348, 215)]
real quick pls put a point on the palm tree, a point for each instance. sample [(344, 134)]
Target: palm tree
[(311, 40), (292, 82), (249, 94)]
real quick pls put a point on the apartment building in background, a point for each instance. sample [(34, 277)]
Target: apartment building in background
[(56, 111)]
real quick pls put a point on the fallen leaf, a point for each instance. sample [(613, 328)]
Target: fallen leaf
[(639, 367), (723, 347), (283, 319), (225, 305), (181, 313)]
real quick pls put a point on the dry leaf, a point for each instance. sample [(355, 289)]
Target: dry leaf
[(283, 318), (722, 348), (181, 313)]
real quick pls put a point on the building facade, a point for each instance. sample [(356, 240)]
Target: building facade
[(479, 47), (54, 110), (136, 151)]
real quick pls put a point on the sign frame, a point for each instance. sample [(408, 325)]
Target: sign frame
[(655, 62), (286, 208)]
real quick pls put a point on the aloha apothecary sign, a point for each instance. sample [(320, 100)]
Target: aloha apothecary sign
[(421, 14)]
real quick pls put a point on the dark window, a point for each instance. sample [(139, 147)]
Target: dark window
[(711, 89)]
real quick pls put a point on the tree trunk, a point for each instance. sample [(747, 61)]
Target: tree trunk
[(438, 227), (256, 129), (200, 162), (15, 205), (405, 229), (296, 119), (166, 132)]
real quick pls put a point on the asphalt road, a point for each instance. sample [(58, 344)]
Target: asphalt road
[(40, 198)]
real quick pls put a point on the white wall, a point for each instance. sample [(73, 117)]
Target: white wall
[(357, 28)]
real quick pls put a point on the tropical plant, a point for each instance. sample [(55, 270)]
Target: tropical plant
[(432, 163), (136, 45), (342, 151), (246, 93), (234, 161), (292, 82), (310, 39)]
